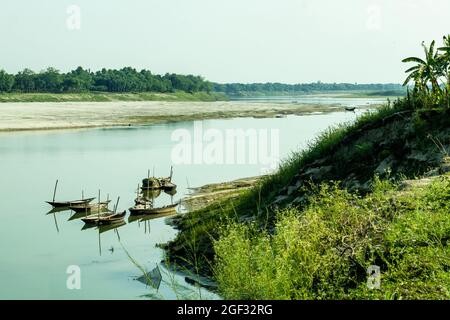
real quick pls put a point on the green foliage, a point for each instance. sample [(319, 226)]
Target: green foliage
[(241, 89), (6, 81), (434, 69), (106, 80), (323, 251)]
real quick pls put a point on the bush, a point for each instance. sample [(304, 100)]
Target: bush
[(323, 252)]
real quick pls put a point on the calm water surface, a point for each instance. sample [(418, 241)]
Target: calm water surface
[(36, 248)]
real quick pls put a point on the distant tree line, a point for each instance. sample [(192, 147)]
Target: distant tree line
[(130, 80), (241, 88), (106, 80)]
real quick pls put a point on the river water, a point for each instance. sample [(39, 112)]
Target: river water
[(38, 249)]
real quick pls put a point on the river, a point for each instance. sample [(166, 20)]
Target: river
[(38, 248)]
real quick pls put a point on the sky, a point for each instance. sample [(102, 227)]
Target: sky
[(289, 41)]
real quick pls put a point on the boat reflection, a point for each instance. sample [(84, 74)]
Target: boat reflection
[(151, 193), (60, 209), (109, 227)]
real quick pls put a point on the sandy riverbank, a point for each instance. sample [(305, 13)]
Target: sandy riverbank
[(71, 115)]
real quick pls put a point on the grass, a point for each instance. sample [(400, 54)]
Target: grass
[(323, 251), (398, 129), (108, 96)]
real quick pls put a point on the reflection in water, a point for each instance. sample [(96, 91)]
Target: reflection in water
[(79, 157), (83, 211), (151, 194)]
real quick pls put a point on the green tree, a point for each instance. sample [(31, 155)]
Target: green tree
[(6, 81), (49, 80), (425, 71), (445, 59), (25, 81)]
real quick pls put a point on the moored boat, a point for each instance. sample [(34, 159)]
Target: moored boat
[(104, 218), (67, 204), (90, 207), (143, 210)]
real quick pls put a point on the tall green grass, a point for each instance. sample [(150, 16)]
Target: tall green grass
[(323, 252)]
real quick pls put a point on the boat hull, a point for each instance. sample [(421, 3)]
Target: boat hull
[(151, 211), (65, 204)]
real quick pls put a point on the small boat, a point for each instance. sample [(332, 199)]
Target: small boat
[(168, 186), (350, 108), (143, 210), (153, 183), (90, 207), (104, 218), (67, 204)]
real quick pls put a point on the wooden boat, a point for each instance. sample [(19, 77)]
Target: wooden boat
[(104, 218), (167, 185), (89, 207), (153, 183), (67, 204), (143, 210), (350, 108)]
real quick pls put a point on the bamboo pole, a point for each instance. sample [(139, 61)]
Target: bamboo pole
[(117, 204), (98, 213), (54, 191), (56, 222)]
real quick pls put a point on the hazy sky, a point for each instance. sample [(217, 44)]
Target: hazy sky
[(288, 41)]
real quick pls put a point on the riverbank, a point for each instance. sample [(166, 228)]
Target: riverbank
[(74, 115), (111, 97), (205, 195), (370, 193)]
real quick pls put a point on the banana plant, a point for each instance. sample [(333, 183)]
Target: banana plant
[(426, 70), (445, 59)]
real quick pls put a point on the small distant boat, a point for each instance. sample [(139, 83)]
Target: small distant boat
[(153, 183), (143, 210), (89, 207), (350, 108), (104, 218), (168, 186), (66, 204)]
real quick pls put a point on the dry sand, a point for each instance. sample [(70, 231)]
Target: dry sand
[(71, 115)]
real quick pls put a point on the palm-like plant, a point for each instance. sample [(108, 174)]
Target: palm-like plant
[(427, 70), (445, 59)]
